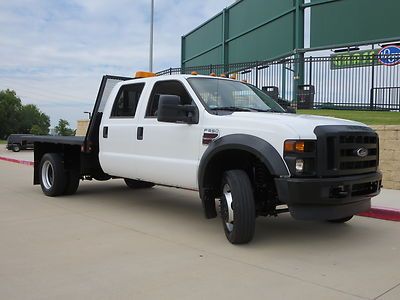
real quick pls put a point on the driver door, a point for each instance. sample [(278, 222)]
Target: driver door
[(168, 153)]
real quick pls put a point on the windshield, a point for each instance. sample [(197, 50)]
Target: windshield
[(221, 94)]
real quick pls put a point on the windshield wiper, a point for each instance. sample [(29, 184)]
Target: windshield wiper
[(262, 110), (236, 108), (231, 108)]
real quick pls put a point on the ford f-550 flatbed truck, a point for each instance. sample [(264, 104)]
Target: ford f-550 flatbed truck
[(225, 139)]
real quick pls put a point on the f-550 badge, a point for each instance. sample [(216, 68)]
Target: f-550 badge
[(209, 135)]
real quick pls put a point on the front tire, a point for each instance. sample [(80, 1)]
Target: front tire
[(237, 207), (16, 148), (138, 184)]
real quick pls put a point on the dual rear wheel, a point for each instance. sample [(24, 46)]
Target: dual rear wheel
[(54, 179)]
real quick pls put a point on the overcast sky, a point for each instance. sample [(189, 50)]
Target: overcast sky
[(54, 53)]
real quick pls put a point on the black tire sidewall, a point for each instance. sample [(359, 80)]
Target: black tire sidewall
[(60, 182), (72, 182), (16, 148), (243, 207)]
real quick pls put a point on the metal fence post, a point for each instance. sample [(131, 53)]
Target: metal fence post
[(256, 73), (284, 80), (371, 97)]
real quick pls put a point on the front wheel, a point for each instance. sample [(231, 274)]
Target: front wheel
[(52, 175), (16, 148), (237, 207)]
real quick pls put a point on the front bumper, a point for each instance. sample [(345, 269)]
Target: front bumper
[(328, 198)]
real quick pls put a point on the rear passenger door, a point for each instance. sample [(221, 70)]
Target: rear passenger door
[(118, 131)]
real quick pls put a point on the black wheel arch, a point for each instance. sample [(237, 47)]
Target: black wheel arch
[(249, 145)]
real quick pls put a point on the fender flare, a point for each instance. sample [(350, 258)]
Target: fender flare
[(252, 144)]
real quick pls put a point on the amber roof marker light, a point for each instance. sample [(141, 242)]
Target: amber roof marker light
[(143, 74)]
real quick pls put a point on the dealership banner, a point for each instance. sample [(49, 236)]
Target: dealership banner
[(388, 56)]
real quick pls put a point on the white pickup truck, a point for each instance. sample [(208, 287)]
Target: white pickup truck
[(227, 140)]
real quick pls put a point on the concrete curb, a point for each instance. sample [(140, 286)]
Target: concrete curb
[(376, 212)]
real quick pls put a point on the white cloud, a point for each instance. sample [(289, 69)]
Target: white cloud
[(53, 53)]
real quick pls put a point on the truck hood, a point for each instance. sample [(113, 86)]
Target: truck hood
[(303, 125)]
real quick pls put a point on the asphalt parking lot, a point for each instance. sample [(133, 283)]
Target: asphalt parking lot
[(109, 242)]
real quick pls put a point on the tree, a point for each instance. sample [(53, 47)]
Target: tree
[(33, 118), (10, 108), (18, 118), (63, 128), (37, 130)]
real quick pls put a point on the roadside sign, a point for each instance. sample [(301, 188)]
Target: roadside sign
[(353, 59), (387, 56), (390, 55)]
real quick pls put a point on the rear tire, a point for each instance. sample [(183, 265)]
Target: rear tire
[(138, 184), (52, 175), (341, 220), (16, 148), (72, 184), (237, 207)]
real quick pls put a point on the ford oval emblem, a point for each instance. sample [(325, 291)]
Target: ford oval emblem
[(362, 152)]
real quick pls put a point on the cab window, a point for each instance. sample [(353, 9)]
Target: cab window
[(170, 87), (126, 101)]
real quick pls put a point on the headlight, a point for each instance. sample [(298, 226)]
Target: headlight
[(298, 146), (300, 156)]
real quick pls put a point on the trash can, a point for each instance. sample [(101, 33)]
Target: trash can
[(305, 96), (272, 91)]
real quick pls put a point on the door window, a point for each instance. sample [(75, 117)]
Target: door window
[(170, 87), (126, 101)]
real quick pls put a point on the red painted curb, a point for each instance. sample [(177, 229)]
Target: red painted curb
[(18, 161), (382, 213)]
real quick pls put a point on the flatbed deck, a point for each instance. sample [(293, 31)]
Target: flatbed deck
[(66, 140)]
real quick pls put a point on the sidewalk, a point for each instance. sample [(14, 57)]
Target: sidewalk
[(385, 206)]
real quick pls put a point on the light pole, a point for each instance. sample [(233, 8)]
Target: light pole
[(151, 36), (89, 114)]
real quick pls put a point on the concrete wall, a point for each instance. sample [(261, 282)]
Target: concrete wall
[(389, 141)]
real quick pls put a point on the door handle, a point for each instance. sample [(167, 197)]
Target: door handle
[(139, 135), (105, 132)]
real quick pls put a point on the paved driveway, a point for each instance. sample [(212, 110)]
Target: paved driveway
[(109, 242)]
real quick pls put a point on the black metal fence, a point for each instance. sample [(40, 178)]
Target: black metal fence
[(364, 83)]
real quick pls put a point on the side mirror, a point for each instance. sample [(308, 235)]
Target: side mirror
[(171, 110)]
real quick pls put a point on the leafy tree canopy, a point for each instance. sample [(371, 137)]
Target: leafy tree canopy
[(18, 118), (63, 128)]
